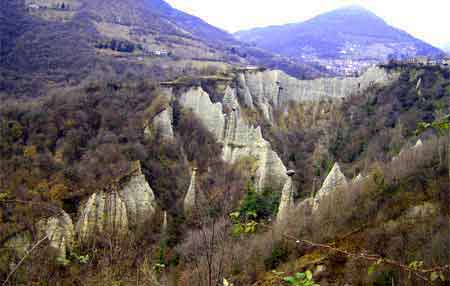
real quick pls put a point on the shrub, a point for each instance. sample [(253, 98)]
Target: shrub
[(264, 204), (279, 254)]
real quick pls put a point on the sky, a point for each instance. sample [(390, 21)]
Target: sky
[(427, 20)]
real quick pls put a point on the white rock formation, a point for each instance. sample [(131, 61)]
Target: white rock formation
[(286, 201), (358, 179), (162, 123), (211, 114), (60, 232), (103, 212), (269, 89), (407, 150), (140, 201), (333, 181), (242, 140), (266, 91), (419, 144), (238, 137), (423, 211), (191, 195), (114, 211)]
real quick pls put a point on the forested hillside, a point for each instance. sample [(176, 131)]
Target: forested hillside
[(60, 149)]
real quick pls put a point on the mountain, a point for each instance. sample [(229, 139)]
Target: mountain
[(347, 33), (446, 48), (52, 42), (220, 174)]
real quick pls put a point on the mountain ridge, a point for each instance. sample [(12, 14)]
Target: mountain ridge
[(350, 32), (81, 39)]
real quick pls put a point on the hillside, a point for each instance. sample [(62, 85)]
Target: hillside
[(46, 43), (348, 33), (140, 145), (167, 164)]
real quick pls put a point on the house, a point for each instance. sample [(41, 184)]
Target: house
[(33, 7), (420, 60), (160, 53), (446, 61)]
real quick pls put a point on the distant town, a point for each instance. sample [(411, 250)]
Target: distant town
[(350, 67)]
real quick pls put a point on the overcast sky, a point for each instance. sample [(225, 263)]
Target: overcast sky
[(428, 20)]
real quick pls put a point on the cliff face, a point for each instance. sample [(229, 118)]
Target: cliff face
[(103, 212), (162, 124), (286, 202), (191, 195), (238, 137), (115, 212), (334, 180), (274, 89), (60, 232), (263, 92), (211, 114)]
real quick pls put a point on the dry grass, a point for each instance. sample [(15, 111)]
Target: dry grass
[(114, 31), (54, 15)]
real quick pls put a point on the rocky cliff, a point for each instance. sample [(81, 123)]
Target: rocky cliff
[(333, 181), (238, 137), (211, 114), (264, 92), (116, 211), (191, 195), (272, 89), (286, 202), (60, 232), (161, 124)]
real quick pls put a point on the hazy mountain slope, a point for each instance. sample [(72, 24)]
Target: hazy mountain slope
[(70, 41), (348, 32), (446, 48)]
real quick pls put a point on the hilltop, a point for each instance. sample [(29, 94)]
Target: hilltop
[(349, 33)]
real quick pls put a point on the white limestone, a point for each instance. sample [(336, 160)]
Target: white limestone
[(238, 137), (115, 212), (211, 114), (191, 195), (286, 201), (358, 179), (270, 89), (419, 144), (162, 123), (333, 181), (139, 199), (266, 91), (103, 212), (60, 232)]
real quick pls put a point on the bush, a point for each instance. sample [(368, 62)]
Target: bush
[(264, 204), (279, 254)]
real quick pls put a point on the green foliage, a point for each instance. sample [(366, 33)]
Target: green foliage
[(73, 258), (301, 279), (278, 255), (263, 205), (323, 167), (440, 126), (385, 278), (372, 267), (246, 227), (61, 260), (159, 267)]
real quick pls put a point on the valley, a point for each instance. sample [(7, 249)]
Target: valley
[(140, 145)]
